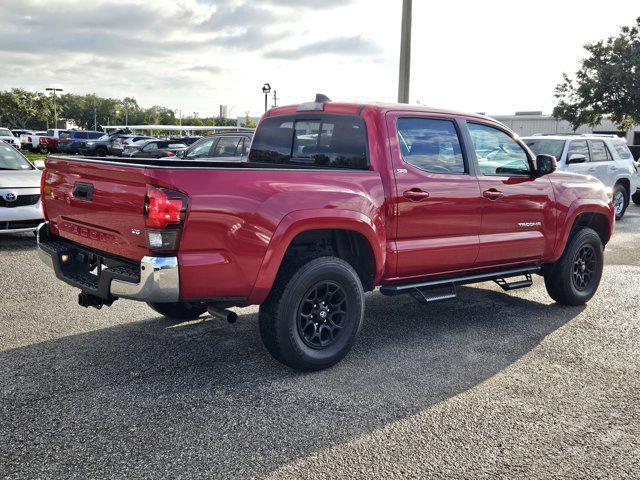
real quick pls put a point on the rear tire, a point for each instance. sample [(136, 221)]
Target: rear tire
[(575, 277), (636, 198), (101, 152), (313, 313), (179, 310), (620, 200)]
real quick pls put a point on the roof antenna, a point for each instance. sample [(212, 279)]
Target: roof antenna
[(320, 98)]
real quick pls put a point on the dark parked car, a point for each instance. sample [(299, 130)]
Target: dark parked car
[(186, 140), (74, 141), (226, 147), (100, 147), (153, 149)]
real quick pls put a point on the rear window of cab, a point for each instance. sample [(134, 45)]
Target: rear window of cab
[(322, 141)]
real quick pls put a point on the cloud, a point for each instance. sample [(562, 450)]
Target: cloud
[(212, 69), (158, 50), (351, 46)]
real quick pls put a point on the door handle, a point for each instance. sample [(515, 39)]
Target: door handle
[(415, 195), (492, 194)]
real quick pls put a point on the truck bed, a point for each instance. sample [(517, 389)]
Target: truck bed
[(233, 212)]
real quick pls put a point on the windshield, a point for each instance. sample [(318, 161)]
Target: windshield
[(545, 146), (10, 159), (4, 132)]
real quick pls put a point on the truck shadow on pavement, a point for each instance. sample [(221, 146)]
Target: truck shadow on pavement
[(149, 398)]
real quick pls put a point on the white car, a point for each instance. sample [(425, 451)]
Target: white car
[(20, 205), (605, 157), (7, 136)]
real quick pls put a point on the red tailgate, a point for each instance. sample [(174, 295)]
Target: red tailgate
[(98, 205)]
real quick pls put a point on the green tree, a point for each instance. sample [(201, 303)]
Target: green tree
[(608, 83), (23, 109)]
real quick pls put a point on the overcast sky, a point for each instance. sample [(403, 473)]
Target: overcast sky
[(492, 56)]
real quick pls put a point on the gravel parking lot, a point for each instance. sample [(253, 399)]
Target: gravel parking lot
[(492, 384)]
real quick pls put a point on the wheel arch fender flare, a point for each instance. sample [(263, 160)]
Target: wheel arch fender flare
[(578, 207), (301, 221)]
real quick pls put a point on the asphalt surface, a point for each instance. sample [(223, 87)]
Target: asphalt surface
[(493, 384)]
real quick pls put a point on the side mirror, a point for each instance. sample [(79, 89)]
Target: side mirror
[(576, 158), (181, 153), (545, 164), (39, 164)]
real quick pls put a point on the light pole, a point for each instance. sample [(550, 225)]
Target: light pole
[(405, 53), (266, 89), (55, 108), (95, 113)]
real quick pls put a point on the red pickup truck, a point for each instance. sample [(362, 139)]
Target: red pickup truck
[(334, 200)]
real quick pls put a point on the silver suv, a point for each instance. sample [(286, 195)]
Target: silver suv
[(606, 157)]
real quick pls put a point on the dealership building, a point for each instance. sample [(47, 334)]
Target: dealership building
[(535, 123)]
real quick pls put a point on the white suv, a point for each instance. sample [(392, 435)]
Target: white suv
[(606, 157)]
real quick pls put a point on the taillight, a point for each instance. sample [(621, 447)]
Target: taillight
[(169, 154), (29, 139), (42, 140), (165, 211)]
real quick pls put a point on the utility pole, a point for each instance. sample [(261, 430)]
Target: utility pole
[(405, 53), (55, 108), (95, 114)]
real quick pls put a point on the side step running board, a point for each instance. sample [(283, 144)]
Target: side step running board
[(498, 276), (422, 294), (506, 286)]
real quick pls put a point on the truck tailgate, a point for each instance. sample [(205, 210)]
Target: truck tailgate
[(98, 205)]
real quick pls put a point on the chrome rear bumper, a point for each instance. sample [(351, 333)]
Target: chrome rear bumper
[(157, 280)]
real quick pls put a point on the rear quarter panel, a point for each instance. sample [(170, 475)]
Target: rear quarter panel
[(234, 215)]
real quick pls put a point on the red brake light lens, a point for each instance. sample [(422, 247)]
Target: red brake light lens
[(164, 207)]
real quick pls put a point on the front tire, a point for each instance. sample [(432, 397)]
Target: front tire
[(620, 200), (179, 310), (575, 277), (313, 314)]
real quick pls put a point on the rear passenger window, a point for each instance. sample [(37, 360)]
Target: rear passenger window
[(579, 148), (623, 150), (599, 151), (331, 141), (430, 145), (227, 147)]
